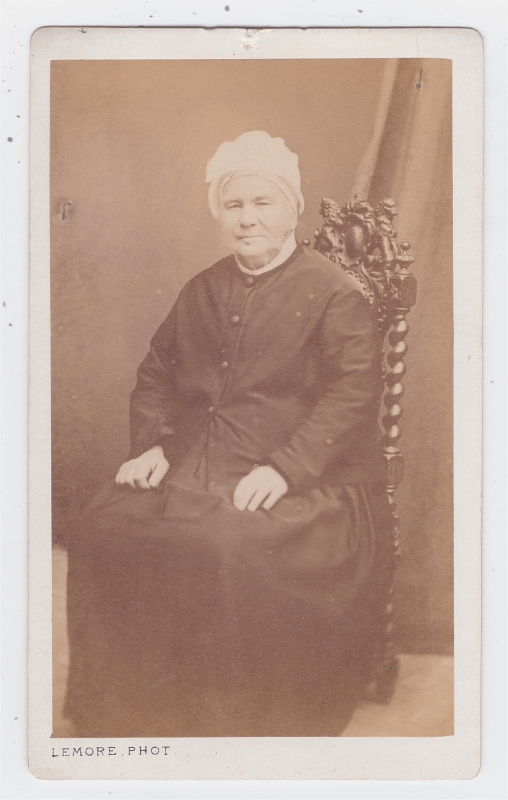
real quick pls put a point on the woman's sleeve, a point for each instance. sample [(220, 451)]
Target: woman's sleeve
[(350, 352), (153, 400)]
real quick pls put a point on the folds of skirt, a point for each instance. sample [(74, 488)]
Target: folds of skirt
[(187, 617)]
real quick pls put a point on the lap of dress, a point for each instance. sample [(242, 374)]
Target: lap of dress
[(187, 617)]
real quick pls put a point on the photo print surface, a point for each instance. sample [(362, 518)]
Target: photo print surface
[(227, 559)]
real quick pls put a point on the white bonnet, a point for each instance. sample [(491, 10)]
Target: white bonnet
[(255, 153)]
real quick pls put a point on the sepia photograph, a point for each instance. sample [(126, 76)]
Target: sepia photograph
[(251, 276), (228, 263)]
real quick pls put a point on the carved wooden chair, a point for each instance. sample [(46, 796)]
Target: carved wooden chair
[(363, 242)]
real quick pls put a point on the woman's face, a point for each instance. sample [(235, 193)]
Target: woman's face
[(256, 218)]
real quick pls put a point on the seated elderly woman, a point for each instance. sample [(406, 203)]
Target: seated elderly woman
[(226, 584)]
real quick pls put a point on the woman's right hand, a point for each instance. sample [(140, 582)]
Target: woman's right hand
[(144, 472)]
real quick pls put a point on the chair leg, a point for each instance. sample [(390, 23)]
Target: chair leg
[(386, 664)]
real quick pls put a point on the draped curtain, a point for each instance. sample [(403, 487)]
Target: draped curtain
[(410, 159)]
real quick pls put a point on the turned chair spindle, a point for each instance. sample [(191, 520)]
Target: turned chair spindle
[(362, 241)]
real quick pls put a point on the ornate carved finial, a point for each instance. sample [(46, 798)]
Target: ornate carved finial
[(364, 243)]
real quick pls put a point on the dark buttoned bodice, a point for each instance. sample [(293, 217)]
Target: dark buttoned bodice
[(281, 368)]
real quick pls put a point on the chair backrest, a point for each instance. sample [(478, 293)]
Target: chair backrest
[(362, 241)]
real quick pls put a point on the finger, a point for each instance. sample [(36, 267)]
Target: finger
[(133, 473), (272, 498), (129, 478), (158, 473), (126, 474), (242, 494), (258, 498), (141, 481), (240, 501), (120, 476)]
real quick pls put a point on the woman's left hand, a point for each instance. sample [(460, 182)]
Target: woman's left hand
[(264, 485)]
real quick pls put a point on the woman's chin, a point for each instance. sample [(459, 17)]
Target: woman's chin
[(254, 252)]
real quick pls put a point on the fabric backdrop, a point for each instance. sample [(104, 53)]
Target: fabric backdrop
[(130, 225)]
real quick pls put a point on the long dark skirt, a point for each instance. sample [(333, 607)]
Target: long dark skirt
[(189, 618)]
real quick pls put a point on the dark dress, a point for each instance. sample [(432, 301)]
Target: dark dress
[(188, 617)]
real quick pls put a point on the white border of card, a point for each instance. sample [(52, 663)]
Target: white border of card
[(419, 758)]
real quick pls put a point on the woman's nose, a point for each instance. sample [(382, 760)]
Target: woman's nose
[(247, 217)]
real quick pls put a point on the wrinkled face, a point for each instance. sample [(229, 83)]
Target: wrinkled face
[(256, 218)]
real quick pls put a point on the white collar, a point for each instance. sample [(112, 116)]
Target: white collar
[(286, 250)]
